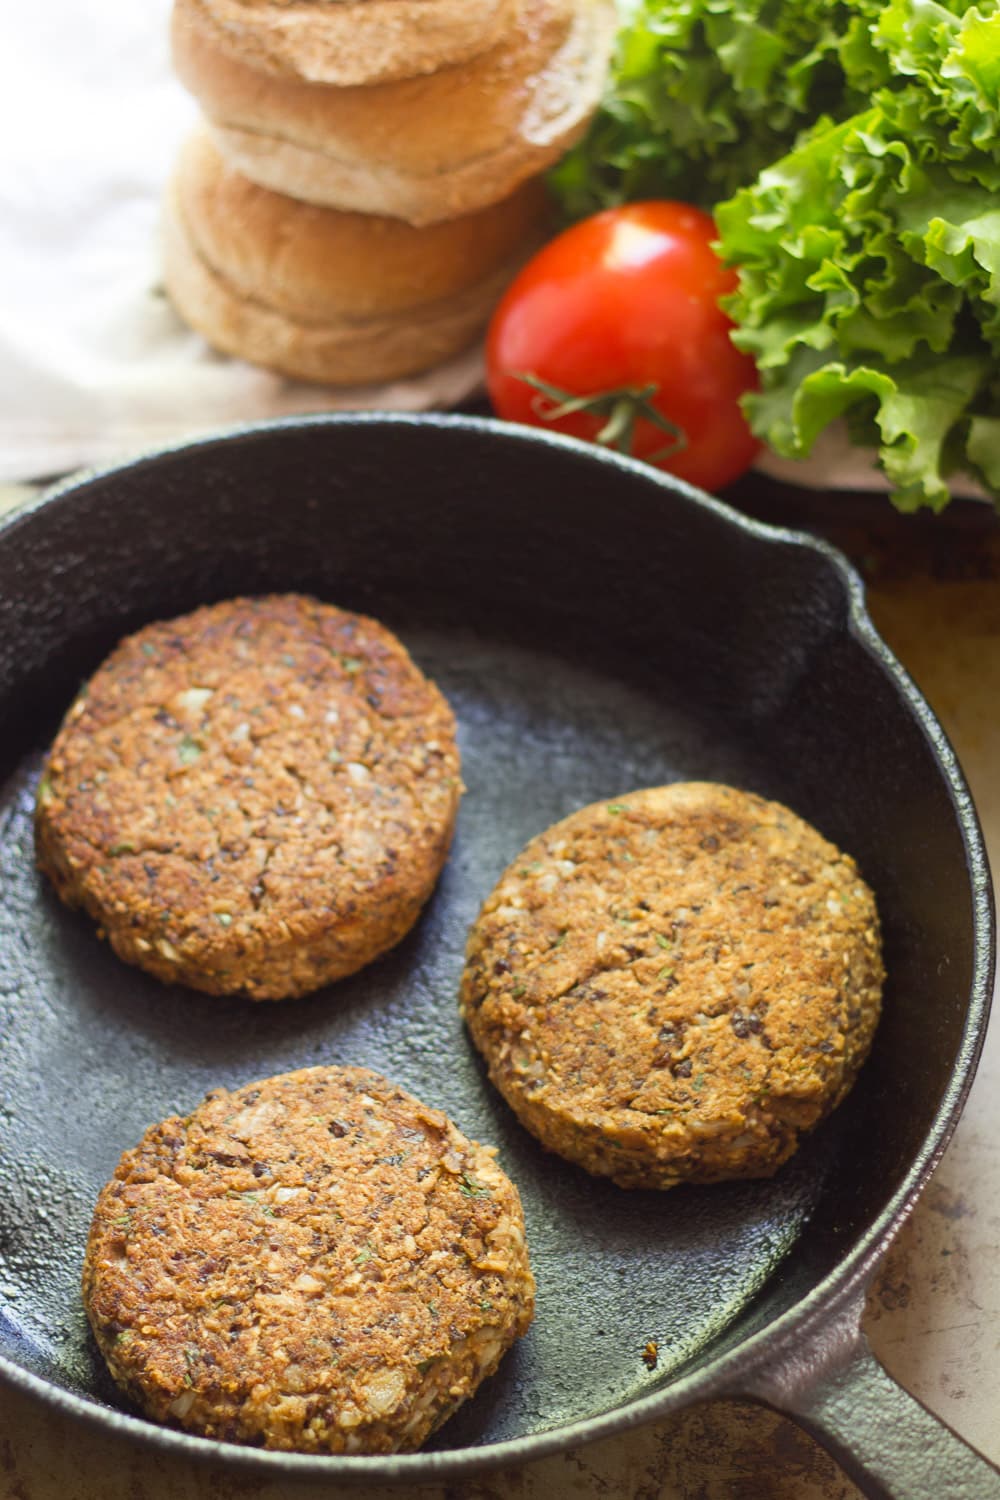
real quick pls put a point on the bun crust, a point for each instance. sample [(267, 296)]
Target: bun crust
[(339, 298), (348, 42), (424, 149)]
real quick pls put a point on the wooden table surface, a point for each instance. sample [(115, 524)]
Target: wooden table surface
[(934, 1315)]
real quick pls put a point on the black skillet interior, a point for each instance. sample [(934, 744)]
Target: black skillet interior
[(596, 630)]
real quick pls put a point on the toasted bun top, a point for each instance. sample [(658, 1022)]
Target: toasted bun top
[(317, 264), (353, 41), (541, 80)]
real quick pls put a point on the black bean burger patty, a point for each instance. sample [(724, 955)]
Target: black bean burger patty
[(255, 798), (675, 985), (316, 1262)]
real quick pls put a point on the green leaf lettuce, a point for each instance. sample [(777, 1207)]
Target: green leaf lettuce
[(869, 261), (705, 93)]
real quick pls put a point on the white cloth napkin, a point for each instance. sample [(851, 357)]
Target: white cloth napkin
[(94, 362)]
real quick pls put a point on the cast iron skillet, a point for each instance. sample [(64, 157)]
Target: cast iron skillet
[(597, 628)]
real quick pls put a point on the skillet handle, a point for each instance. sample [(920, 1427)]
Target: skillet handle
[(884, 1439)]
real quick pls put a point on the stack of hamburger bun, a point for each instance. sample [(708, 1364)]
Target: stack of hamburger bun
[(368, 175)]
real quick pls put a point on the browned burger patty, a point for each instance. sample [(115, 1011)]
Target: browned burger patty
[(255, 798), (675, 985), (316, 1262)]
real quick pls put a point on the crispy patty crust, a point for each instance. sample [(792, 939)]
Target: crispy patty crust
[(316, 1262), (675, 985), (255, 798)]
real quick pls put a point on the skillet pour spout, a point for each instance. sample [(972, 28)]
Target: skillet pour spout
[(597, 627)]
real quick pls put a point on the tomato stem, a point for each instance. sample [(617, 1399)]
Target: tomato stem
[(621, 407)]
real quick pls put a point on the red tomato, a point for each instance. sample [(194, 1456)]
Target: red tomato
[(625, 301)]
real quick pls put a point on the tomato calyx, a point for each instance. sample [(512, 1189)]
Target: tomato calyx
[(619, 408)]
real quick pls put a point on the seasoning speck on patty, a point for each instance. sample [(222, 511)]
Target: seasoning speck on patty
[(316, 1262), (675, 985), (256, 798)]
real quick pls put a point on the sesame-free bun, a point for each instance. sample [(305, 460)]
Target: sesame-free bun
[(423, 149), (339, 298), (350, 41)]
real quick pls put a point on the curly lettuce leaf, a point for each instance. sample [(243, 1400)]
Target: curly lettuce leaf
[(705, 93), (869, 261)]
